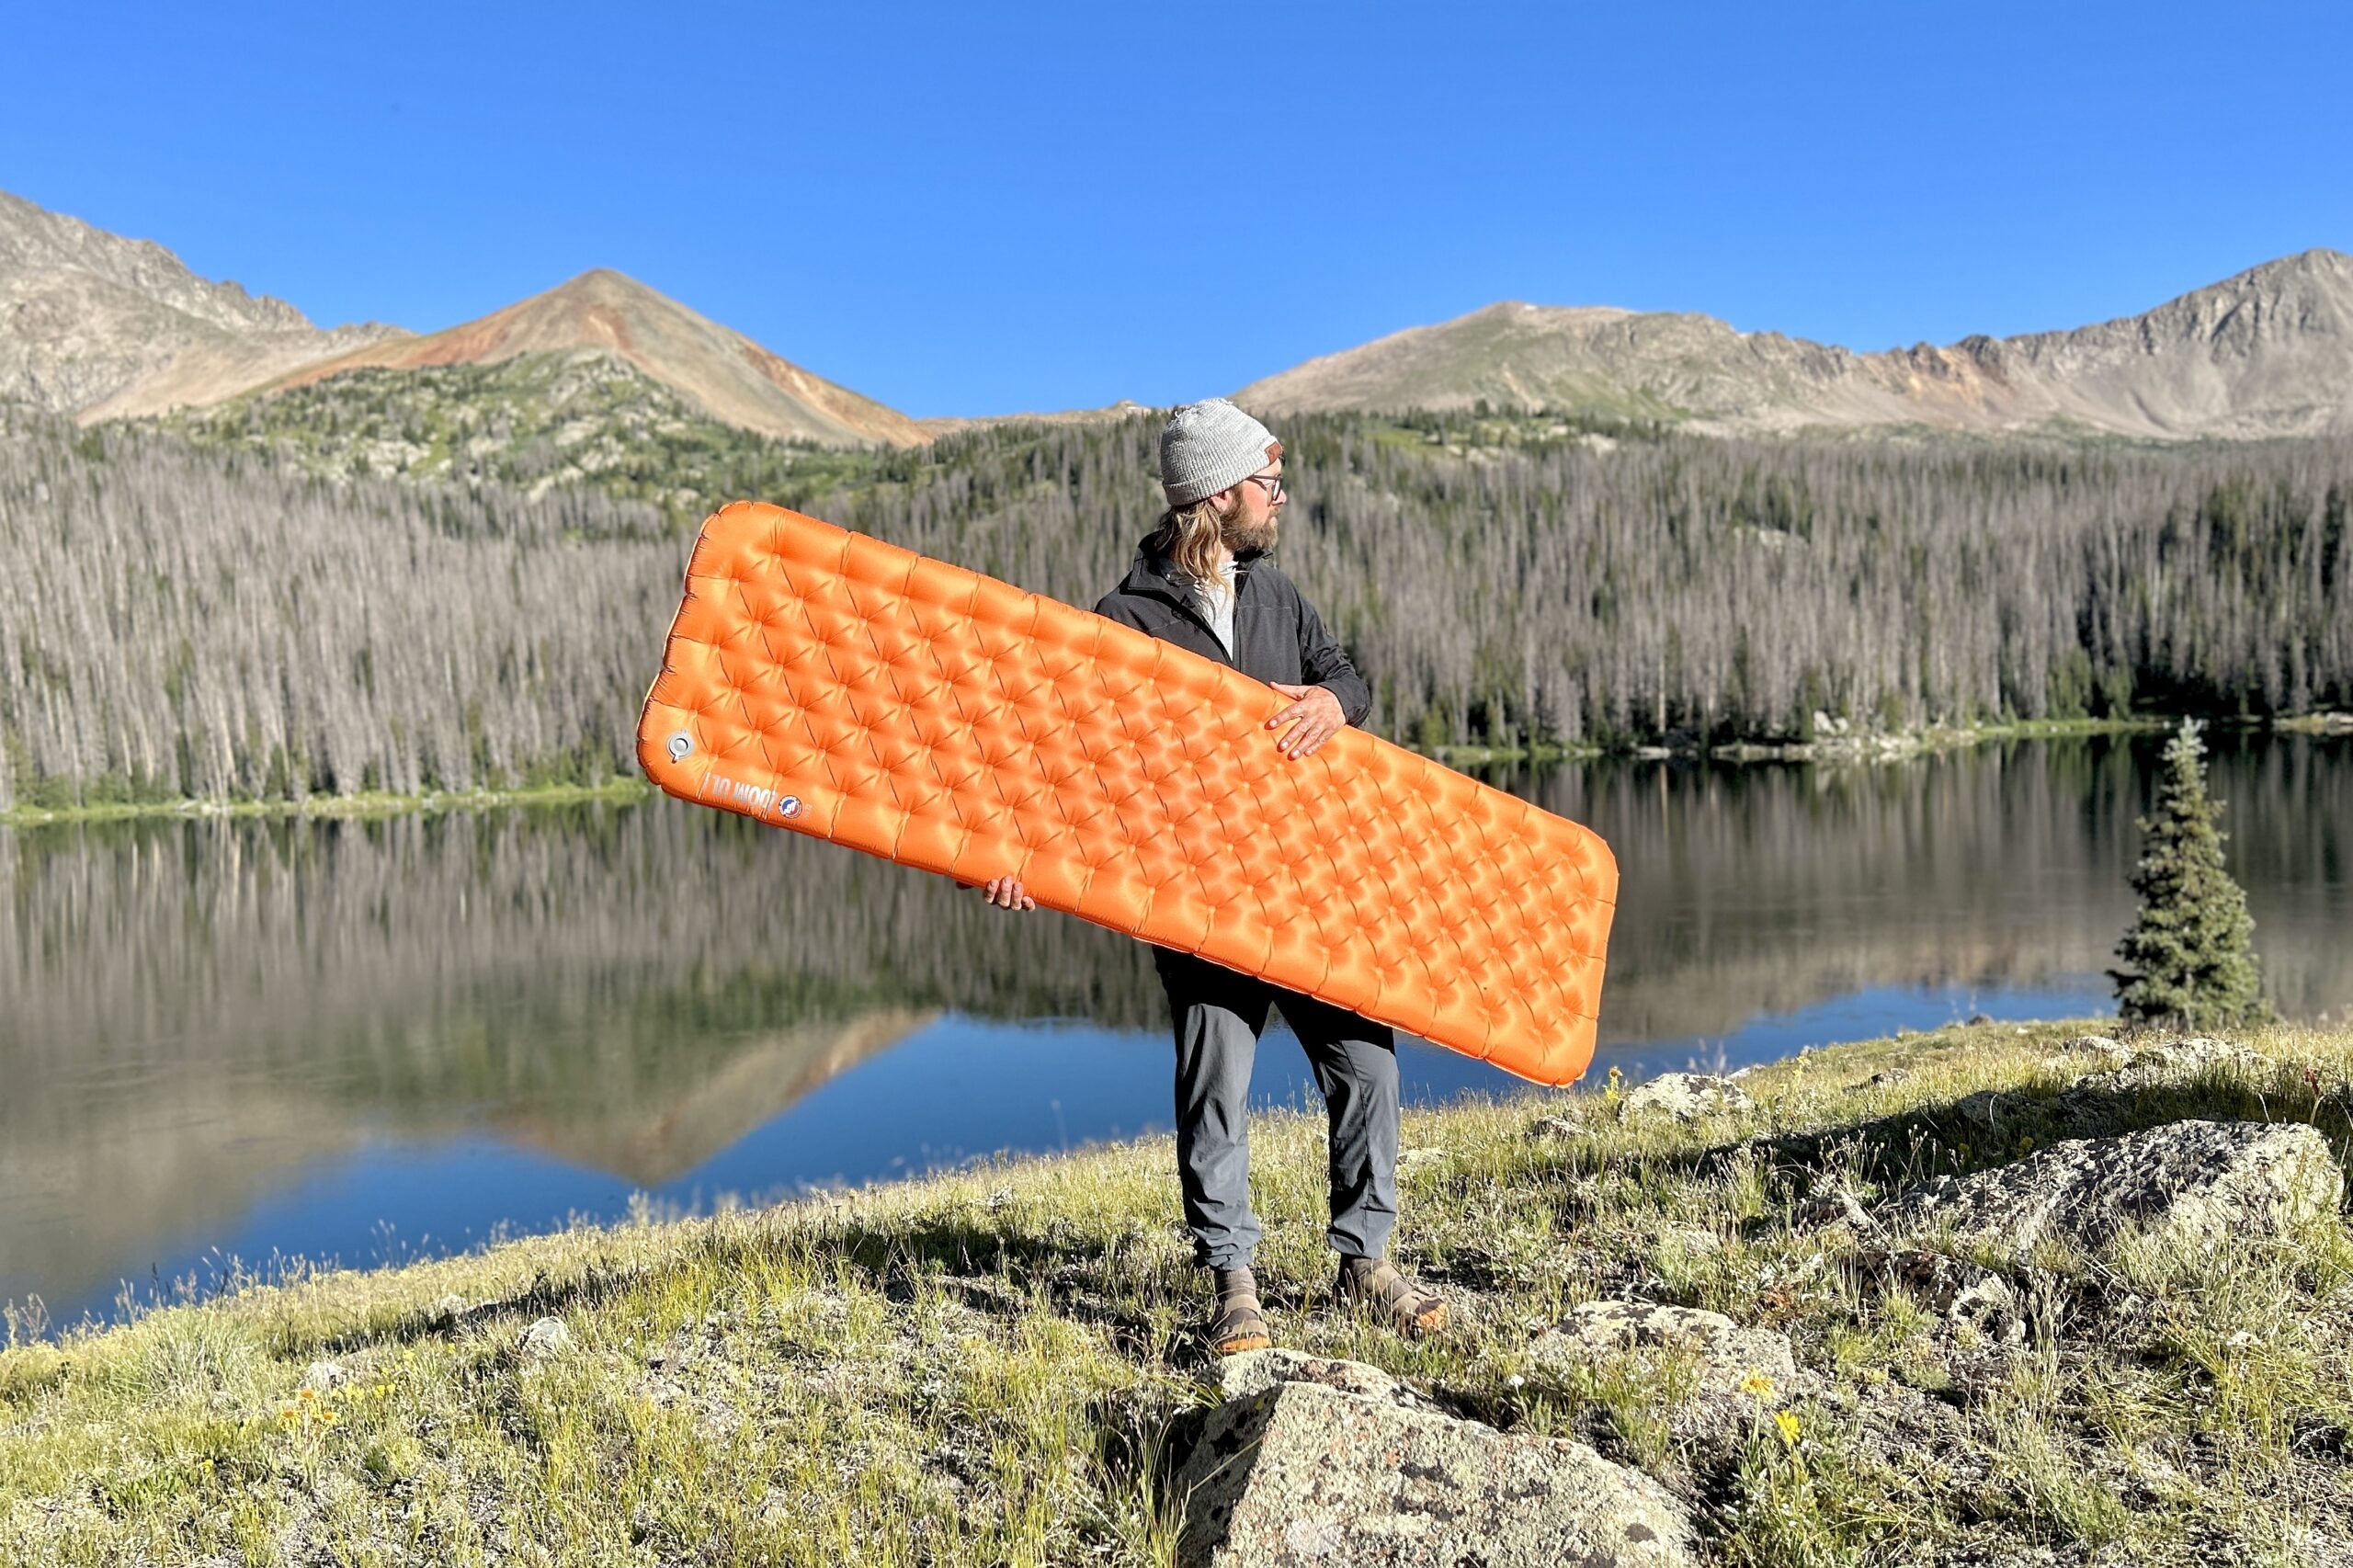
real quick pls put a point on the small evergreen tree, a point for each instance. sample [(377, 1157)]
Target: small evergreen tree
[(2190, 960)]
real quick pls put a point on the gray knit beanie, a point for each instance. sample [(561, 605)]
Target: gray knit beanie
[(1210, 445)]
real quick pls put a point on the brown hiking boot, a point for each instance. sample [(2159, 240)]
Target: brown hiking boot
[(1407, 1306), (1240, 1322)]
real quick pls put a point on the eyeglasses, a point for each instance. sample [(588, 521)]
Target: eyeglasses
[(1272, 483)]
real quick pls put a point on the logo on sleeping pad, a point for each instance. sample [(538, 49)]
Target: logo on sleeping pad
[(753, 798)]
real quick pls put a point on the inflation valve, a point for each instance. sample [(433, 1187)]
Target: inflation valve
[(680, 743)]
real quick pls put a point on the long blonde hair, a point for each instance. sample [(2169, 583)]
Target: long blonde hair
[(1192, 538)]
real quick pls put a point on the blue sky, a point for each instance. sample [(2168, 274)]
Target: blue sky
[(979, 209)]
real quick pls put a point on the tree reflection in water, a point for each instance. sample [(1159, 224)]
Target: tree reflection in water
[(197, 1009)]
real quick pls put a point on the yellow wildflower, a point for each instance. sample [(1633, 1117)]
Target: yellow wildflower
[(1756, 1385), (1788, 1423)]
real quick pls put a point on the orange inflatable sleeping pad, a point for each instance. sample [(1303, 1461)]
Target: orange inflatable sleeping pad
[(829, 683)]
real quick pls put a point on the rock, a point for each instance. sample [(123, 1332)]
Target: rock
[(545, 1339), (1978, 1020), (2100, 1065), (1728, 1358), (1832, 1208), (1556, 1126), (1696, 1241), (1964, 1293), (1983, 1108), (322, 1376), (1252, 1373), (1686, 1097), (1942, 1283), (1898, 1425), (1992, 1308), (450, 1306), (2192, 1184), (1880, 1080), (1307, 1470)]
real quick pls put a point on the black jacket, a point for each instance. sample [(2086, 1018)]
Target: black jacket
[(1276, 635)]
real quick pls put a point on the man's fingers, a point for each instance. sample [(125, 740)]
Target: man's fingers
[(1301, 709), (1311, 733)]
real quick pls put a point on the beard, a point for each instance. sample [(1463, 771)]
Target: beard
[(1239, 536)]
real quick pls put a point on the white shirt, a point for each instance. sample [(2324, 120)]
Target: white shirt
[(1217, 601)]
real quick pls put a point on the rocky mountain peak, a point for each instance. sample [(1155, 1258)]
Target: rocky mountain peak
[(35, 241), (726, 374), (95, 324)]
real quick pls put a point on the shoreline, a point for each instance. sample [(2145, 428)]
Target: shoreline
[(619, 788), (1851, 747)]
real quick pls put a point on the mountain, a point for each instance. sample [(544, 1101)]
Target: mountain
[(2268, 352), (99, 326), (94, 324), (729, 376)]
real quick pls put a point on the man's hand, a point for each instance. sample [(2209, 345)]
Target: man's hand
[(1006, 892), (1314, 715)]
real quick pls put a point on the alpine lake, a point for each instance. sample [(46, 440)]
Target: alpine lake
[(227, 1043)]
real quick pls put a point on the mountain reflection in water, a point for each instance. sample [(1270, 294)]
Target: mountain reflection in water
[(203, 1015)]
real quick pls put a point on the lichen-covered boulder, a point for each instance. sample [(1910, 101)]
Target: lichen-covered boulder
[(1254, 1371), (1726, 1357), (1331, 1462), (2192, 1184), (545, 1340), (1686, 1097), (2096, 1063)]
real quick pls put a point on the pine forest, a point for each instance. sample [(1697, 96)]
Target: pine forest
[(277, 601)]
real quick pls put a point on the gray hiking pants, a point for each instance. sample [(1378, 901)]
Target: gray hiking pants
[(1218, 1016)]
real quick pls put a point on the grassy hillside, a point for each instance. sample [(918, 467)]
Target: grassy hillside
[(982, 1366), (532, 423)]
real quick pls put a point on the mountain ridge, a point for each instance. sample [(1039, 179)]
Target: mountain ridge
[(2266, 352), (97, 326)]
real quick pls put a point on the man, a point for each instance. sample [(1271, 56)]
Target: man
[(1202, 581)]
